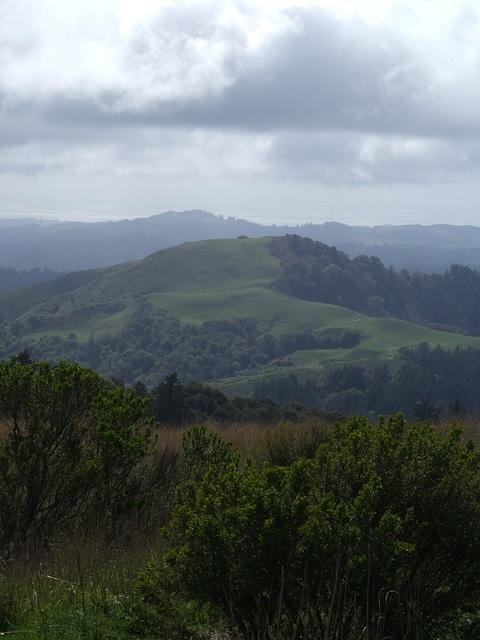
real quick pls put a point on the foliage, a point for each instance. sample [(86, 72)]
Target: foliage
[(10, 279), (361, 530), (152, 345), (72, 446), (379, 532), (176, 404), (425, 383), (8, 612), (157, 609), (314, 271)]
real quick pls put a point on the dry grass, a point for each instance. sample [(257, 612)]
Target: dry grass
[(282, 442), (470, 428), (4, 431), (256, 442)]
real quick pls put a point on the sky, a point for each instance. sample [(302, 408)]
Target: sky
[(361, 111)]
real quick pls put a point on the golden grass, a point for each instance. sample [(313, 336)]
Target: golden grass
[(255, 442), (4, 430)]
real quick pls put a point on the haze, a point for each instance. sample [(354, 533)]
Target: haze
[(364, 112)]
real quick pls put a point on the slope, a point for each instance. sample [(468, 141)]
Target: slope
[(198, 282), (71, 246)]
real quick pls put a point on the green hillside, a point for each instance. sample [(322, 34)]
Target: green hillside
[(198, 282)]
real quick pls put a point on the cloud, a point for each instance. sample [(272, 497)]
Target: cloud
[(233, 64), (123, 60), (339, 93), (147, 152), (346, 157)]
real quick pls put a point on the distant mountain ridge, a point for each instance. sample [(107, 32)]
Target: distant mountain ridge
[(71, 246), (11, 280)]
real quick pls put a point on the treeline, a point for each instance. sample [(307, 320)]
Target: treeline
[(428, 383), (423, 382), (152, 345), (10, 279), (174, 403), (314, 271), (362, 530)]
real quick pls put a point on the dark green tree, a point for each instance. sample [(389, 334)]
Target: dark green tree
[(168, 405), (71, 447)]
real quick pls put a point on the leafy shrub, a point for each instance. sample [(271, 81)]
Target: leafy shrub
[(380, 532), (71, 451)]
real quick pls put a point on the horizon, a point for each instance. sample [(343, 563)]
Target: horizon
[(363, 112), (86, 219)]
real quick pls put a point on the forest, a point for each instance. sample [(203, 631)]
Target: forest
[(315, 271), (294, 530), (426, 383), (423, 380), (154, 344), (10, 279)]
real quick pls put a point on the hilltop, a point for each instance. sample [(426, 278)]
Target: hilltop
[(71, 246), (209, 310)]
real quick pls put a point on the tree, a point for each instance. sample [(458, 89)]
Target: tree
[(72, 444), (426, 411), (168, 404), (457, 409)]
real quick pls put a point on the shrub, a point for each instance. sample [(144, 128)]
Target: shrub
[(72, 447), (378, 535)]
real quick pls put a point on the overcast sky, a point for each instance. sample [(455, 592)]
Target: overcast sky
[(360, 111)]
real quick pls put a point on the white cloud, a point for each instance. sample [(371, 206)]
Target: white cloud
[(150, 152), (137, 54), (332, 92)]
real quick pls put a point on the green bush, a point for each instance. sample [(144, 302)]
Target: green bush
[(72, 447), (380, 533)]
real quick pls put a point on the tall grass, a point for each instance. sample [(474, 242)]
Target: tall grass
[(257, 442), (72, 592)]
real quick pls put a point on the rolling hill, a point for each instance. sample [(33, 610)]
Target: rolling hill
[(11, 280), (106, 318), (71, 246)]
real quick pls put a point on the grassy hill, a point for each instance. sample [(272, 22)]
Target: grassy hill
[(71, 246), (205, 281)]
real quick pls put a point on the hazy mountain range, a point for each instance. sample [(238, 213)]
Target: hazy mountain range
[(69, 246)]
